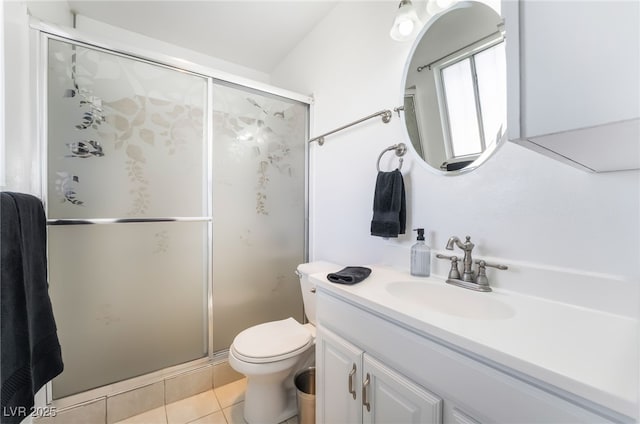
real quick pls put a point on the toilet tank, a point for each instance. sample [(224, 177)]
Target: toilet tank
[(308, 287)]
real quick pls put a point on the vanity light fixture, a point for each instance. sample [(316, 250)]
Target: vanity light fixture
[(406, 23)]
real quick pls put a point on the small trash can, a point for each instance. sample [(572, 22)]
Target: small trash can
[(305, 382)]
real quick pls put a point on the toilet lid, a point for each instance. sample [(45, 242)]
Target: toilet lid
[(272, 341)]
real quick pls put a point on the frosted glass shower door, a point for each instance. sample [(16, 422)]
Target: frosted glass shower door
[(259, 209), (126, 156)]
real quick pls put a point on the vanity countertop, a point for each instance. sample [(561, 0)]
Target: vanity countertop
[(588, 353)]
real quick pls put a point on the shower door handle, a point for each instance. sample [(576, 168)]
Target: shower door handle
[(352, 376)]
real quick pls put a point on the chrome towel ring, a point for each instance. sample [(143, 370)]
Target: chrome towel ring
[(400, 149)]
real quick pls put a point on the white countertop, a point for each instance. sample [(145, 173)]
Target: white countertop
[(589, 353)]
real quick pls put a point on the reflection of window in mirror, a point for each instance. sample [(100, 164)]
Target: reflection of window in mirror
[(472, 98), (410, 114)]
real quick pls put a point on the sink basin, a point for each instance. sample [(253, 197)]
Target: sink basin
[(451, 300)]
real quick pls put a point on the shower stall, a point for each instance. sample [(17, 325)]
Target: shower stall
[(177, 210)]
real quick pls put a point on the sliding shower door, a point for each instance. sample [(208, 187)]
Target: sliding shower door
[(129, 214), (259, 209), (177, 213)]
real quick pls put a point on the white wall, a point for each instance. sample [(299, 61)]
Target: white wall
[(520, 206), (22, 163), (2, 134), (93, 27), (58, 12)]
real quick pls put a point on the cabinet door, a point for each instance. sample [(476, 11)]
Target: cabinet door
[(389, 397), (572, 81), (581, 64), (339, 374)]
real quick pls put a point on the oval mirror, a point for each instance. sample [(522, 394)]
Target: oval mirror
[(454, 88)]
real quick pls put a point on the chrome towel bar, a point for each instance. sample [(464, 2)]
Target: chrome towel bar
[(386, 117)]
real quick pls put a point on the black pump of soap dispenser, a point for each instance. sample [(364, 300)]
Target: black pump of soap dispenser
[(420, 233)]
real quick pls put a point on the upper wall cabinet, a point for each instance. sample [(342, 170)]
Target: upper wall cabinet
[(573, 74)]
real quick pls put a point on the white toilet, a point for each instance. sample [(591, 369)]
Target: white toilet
[(270, 354)]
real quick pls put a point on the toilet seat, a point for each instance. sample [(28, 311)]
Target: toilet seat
[(272, 341)]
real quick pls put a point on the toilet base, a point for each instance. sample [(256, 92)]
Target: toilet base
[(273, 408)]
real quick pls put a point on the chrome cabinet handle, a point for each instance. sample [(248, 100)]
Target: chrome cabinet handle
[(365, 386), (352, 375)]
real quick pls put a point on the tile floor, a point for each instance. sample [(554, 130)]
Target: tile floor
[(223, 405)]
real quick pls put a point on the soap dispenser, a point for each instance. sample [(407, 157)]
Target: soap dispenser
[(420, 256)]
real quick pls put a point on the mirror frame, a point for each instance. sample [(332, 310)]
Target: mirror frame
[(487, 153)]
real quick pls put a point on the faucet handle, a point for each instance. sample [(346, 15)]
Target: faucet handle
[(482, 279), (454, 272), (483, 263), (440, 256)]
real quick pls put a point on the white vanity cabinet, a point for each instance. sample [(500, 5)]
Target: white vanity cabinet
[(354, 387), (408, 376), (573, 89)]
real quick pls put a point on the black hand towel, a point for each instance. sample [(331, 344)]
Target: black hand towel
[(29, 345), (349, 275), (389, 205)]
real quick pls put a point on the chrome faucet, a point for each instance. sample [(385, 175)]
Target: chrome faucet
[(469, 279), (467, 261)]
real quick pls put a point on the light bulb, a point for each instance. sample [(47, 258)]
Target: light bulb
[(406, 22), (405, 27)]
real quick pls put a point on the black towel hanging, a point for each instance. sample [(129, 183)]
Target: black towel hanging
[(389, 202), (389, 205), (29, 345)]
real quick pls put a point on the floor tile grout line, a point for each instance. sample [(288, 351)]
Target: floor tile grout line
[(236, 401)]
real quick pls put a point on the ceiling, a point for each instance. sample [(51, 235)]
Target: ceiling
[(257, 34)]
